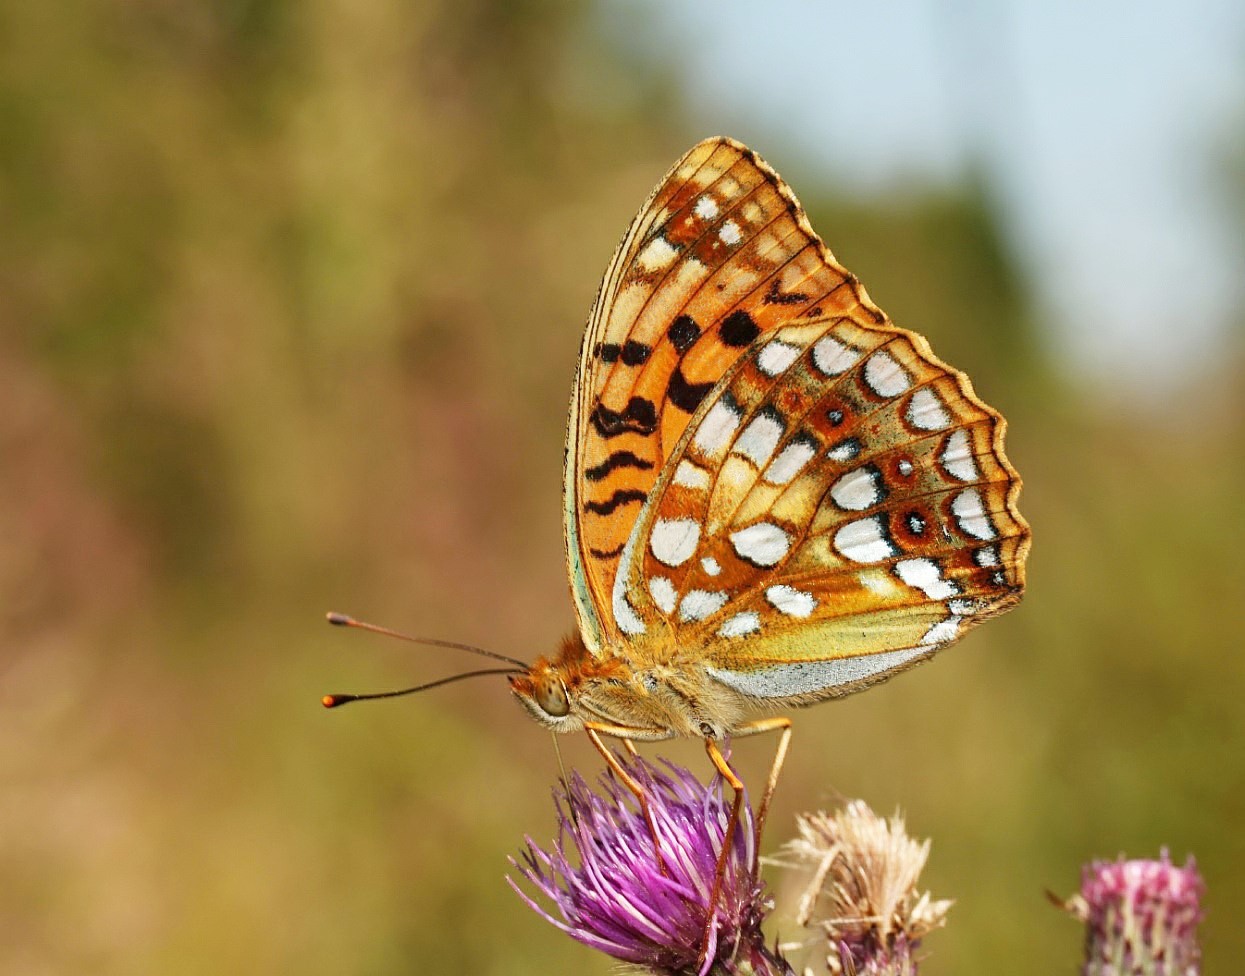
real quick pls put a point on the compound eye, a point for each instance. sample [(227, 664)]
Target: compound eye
[(552, 699)]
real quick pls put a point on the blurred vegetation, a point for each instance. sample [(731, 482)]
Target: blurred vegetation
[(290, 296)]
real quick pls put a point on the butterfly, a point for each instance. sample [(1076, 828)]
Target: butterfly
[(772, 495)]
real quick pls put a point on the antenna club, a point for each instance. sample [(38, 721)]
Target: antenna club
[(332, 701), (339, 619)]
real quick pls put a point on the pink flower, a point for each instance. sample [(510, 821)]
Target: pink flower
[(1141, 917), (612, 894)]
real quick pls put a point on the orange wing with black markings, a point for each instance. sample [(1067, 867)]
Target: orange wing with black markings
[(720, 254)]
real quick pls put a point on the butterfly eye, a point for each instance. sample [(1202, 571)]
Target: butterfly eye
[(552, 699)]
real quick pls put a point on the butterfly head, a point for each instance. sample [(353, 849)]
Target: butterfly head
[(555, 690), (548, 688), (544, 694)]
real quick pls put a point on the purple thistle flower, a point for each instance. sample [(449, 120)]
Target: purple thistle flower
[(1141, 917), (613, 896)]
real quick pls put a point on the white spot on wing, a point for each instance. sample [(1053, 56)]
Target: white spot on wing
[(789, 600), (864, 541), (875, 582), (885, 376), (625, 616), (942, 632), (657, 254), (957, 457), (763, 544), (741, 625), (710, 566), (925, 575), (833, 357), (986, 556), (690, 475), (790, 462), (699, 604), (662, 591), (806, 677), (717, 427), (926, 411), (844, 450), (706, 207), (674, 540), (858, 490), (759, 439), (970, 513), (730, 234), (775, 356)]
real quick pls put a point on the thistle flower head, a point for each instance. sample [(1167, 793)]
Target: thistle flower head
[(609, 891), (1141, 917), (863, 889)]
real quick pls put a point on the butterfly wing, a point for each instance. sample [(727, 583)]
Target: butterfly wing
[(720, 254), (839, 508)]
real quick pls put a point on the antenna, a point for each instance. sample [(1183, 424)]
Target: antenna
[(345, 620), (334, 701)]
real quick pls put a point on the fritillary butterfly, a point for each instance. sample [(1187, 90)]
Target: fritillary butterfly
[(773, 496)]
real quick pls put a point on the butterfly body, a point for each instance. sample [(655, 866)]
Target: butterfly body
[(670, 695), (773, 496)]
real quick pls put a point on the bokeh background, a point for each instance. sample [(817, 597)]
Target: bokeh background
[(290, 299)]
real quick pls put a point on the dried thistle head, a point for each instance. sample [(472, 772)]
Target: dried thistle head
[(863, 889)]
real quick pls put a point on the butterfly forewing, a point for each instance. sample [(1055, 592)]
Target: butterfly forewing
[(720, 255)]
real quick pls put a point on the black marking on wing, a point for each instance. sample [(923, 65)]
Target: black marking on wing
[(607, 554), (888, 535), (639, 417), (624, 496), (634, 353), (684, 395), (619, 459), (683, 332), (738, 329), (879, 482), (774, 297), (608, 352)]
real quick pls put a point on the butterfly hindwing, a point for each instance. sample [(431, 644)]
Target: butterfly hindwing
[(839, 508), (719, 255)]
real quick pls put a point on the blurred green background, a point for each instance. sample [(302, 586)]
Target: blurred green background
[(290, 299)]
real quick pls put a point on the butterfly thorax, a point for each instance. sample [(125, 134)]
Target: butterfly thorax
[(658, 701)]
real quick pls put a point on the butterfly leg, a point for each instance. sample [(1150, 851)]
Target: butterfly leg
[(720, 762), (595, 730), (728, 837), (777, 724)]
